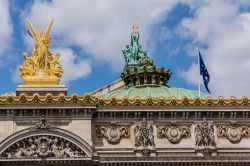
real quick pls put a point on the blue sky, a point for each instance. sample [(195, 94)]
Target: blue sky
[(90, 35)]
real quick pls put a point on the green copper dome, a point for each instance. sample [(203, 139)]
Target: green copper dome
[(154, 92)]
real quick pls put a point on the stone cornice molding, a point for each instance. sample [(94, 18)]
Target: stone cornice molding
[(87, 99)]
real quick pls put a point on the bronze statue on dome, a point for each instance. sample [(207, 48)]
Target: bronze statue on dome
[(133, 52)]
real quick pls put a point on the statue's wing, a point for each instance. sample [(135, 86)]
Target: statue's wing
[(30, 29), (49, 27)]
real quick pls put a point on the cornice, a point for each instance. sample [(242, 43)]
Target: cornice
[(87, 99), (47, 99)]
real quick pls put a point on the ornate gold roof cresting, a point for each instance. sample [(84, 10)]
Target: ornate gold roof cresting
[(42, 67)]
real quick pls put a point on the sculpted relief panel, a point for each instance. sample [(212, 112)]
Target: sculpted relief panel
[(144, 138), (204, 139), (144, 134), (41, 141), (233, 132), (204, 134), (41, 146), (173, 132), (113, 133)]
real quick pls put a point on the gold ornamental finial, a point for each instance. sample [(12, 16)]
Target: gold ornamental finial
[(135, 29), (42, 63)]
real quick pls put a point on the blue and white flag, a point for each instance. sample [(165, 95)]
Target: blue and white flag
[(204, 72)]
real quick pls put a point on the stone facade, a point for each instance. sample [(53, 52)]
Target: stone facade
[(127, 122), (85, 129)]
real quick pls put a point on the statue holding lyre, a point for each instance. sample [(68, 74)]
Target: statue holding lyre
[(133, 52)]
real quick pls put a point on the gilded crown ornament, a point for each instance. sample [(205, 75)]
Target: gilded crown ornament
[(42, 67), (135, 29)]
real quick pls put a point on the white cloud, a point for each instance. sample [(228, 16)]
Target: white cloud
[(74, 68), (5, 27), (15, 77), (191, 75), (8, 93), (225, 30), (101, 28)]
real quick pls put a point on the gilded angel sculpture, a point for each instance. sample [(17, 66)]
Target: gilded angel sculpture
[(41, 60)]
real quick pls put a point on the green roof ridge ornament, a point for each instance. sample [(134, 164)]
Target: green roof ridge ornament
[(134, 52)]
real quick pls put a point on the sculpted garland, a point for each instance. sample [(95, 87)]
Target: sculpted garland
[(113, 133), (173, 132), (100, 101), (233, 132)]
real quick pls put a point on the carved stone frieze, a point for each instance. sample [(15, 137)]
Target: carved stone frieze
[(204, 134), (144, 139), (113, 133), (43, 146), (173, 132), (233, 132), (204, 139), (144, 134)]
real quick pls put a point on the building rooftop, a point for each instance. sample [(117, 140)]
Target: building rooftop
[(143, 79), (153, 91)]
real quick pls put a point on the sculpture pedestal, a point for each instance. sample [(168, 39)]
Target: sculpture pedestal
[(42, 90), (206, 151), (145, 151), (42, 79), (41, 83)]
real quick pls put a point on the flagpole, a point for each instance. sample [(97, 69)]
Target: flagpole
[(199, 77)]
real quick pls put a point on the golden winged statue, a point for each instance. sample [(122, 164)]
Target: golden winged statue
[(42, 62)]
